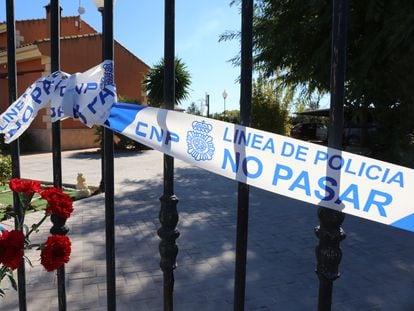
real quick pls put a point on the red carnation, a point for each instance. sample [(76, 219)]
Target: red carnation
[(11, 248), (58, 202), (56, 252), (28, 187)]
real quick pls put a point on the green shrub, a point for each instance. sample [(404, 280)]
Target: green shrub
[(5, 169)]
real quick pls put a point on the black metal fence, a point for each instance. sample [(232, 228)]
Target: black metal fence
[(329, 232)]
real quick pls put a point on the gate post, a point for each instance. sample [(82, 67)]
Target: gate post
[(108, 141), (14, 146), (245, 120), (58, 223), (168, 214), (329, 232)]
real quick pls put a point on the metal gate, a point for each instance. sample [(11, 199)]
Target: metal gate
[(329, 232)]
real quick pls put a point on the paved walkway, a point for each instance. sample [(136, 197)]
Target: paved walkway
[(377, 266)]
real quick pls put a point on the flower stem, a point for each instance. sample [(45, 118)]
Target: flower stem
[(34, 227), (3, 271), (34, 245)]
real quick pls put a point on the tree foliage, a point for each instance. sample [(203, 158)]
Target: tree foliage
[(270, 106), (193, 109), (293, 37), (154, 82), (5, 169), (231, 116)]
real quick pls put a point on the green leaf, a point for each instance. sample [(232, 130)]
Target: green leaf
[(25, 229), (2, 215), (27, 260), (13, 282)]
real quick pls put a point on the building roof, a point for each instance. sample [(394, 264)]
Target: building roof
[(69, 37), (32, 20), (92, 35), (89, 35), (17, 47)]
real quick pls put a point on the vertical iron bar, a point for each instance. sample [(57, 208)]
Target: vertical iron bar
[(168, 214), (14, 147), (338, 59), (55, 66), (329, 231), (108, 53), (101, 187), (208, 105), (169, 55), (245, 119), (58, 223)]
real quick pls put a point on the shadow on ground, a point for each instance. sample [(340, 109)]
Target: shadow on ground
[(96, 154), (377, 266)]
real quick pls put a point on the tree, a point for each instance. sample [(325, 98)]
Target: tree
[(270, 106), (193, 109), (231, 116), (294, 38), (154, 82)]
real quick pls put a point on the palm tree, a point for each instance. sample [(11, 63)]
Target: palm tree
[(154, 82)]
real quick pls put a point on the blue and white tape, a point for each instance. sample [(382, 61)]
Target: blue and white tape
[(17, 118), (87, 96), (339, 180)]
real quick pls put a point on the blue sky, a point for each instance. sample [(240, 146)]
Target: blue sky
[(139, 26)]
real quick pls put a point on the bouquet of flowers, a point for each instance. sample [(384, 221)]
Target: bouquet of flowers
[(55, 251)]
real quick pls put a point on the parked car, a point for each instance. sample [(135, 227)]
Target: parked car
[(310, 131), (359, 135)]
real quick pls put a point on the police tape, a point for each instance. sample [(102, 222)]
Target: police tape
[(339, 180), (312, 173), (87, 96)]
